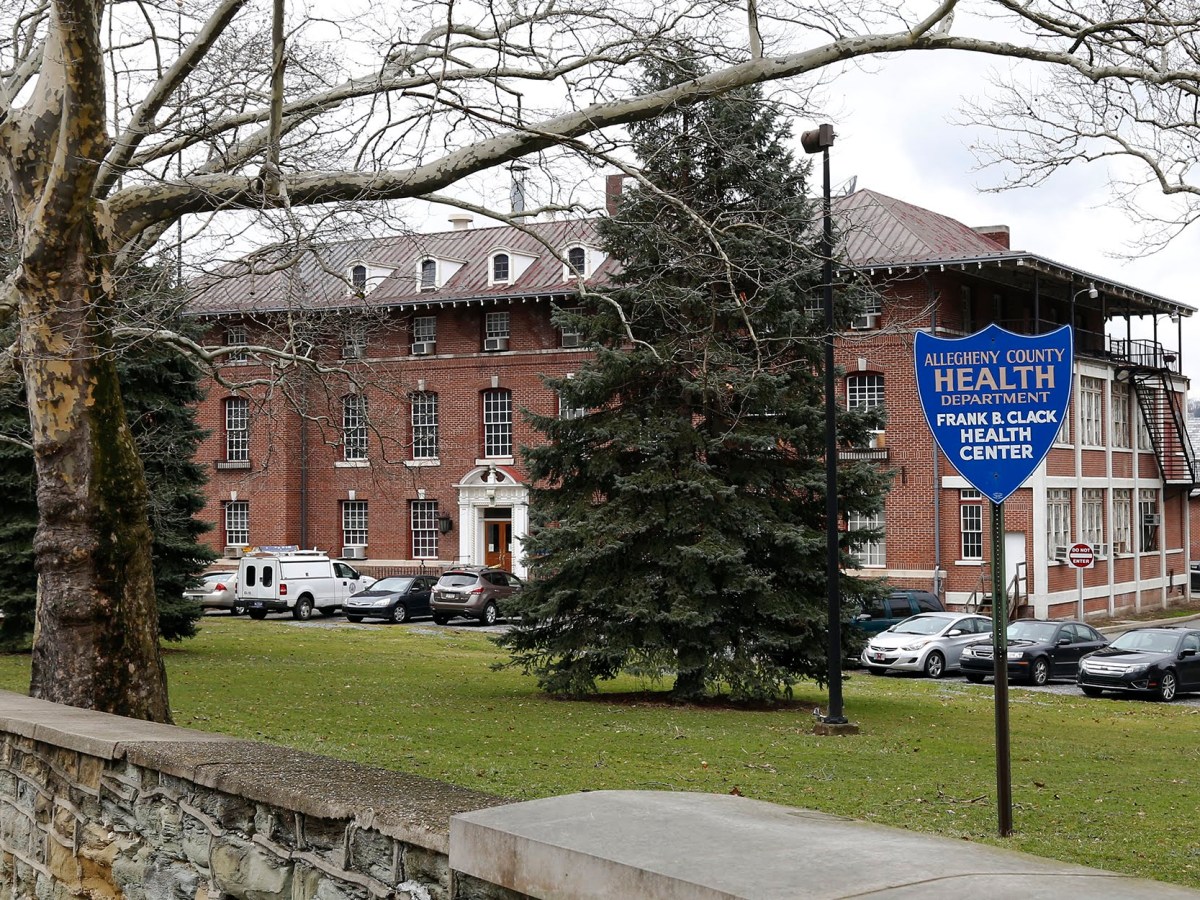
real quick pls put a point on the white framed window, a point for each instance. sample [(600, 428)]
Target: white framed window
[(571, 335), (237, 429), (354, 427), (1091, 412), (1122, 513), (354, 341), (354, 523), (358, 278), (428, 275), (576, 266), (1064, 430), (425, 425), (497, 423), (1091, 516), (1058, 520), (864, 392), (871, 311), (496, 325), (235, 336), (970, 518), (424, 516), (1122, 435), (237, 523), (1144, 440), (871, 552), (566, 411), (424, 328), (1149, 518), (501, 268)]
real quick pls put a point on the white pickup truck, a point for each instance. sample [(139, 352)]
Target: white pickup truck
[(302, 581)]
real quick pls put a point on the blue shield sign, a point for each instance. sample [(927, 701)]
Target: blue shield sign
[(995, 401)]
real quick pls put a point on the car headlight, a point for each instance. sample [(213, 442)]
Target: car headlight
[(382, 601), (916, 645), (1016, 654), (1136, 670)]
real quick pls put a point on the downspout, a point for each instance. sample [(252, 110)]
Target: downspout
[(937, 471), (304, 467)]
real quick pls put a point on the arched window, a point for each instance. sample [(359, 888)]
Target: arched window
[(576, 262), (358, 278), (428, 274), (500, 268)]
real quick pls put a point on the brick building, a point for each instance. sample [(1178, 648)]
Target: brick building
[(405, 451)]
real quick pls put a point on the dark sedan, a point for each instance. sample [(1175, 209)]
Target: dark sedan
[(1037, 651), (1162, 662), (396, 599)]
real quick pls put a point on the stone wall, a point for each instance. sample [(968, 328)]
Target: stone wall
[(98, 806)]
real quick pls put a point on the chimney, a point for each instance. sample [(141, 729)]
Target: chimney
[(516, 190), (997, 233), (613, 187), (460, 221)]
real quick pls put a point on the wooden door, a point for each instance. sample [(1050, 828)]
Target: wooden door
[(497, 544)]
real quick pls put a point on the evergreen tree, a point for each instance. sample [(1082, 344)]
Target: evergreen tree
[(679, 523)]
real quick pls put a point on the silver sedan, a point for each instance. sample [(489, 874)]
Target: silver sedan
[(930, 642)]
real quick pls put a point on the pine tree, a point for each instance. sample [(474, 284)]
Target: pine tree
[(680, 524)]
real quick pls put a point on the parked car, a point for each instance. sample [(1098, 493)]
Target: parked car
[(1158, 661), (296, 580), (930, 642), (474, 592), (217, 590), (397, 599), (893, 609), (1038, 650)]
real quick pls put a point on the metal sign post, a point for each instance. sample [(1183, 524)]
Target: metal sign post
[(995, 401), (1081, 556)]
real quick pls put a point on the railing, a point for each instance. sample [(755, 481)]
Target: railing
[(1147, 354)]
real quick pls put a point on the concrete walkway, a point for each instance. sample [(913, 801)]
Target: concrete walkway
[(677, 846)]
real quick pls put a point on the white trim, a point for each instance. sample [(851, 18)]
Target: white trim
[(352, 464), (421, 463)]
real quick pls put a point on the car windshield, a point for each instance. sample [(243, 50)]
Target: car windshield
[(457, 579), (1146, 641), (1032, 631), (922, 625), (393, 585), (216, 577)]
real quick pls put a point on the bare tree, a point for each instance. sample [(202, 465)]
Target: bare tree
[(121, 119)]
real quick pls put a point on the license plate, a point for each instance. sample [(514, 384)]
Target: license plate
[(256, 604), (878, 656)]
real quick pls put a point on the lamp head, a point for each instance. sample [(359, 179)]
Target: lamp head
[(820, 138)]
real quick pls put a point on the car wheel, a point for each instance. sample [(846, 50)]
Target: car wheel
[(238, 609), (441, 618), (1167, 687), (400, 614), (258, 614), (1040, 673), (303, 609), (355, 619), (935, 664), (489, 615), (1092, 691), (975, 679)]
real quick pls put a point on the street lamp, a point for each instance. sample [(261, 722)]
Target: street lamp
[(819, 140)]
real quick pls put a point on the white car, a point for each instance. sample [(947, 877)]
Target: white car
[(930, 642)]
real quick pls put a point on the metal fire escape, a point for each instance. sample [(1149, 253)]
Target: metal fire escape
[(1149, 371)]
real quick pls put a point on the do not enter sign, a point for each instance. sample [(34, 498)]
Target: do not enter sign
[(1081, 556)]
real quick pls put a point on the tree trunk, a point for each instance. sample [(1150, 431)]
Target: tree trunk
[(96, 639)]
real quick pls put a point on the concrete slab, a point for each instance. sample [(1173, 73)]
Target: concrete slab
[(677, 846)]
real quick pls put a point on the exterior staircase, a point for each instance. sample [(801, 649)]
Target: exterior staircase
[(1017, 591), (1160, 406)]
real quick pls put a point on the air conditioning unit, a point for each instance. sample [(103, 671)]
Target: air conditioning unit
[(234, 552), (1100, 551), (571, 339), (878, 440), (496, 343), (354, 553), (1060, 554), (865, 322), (423, 348), (1152, 519)]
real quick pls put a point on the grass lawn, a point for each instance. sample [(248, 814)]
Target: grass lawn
[(1107, 783)]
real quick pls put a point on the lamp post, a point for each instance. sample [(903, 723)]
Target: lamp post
[(820, 139)]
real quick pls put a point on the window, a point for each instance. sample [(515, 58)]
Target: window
[(354, 427), (497, 423), (1064, 430), (576, 262), (424, 529), (566, 411), (864, 391), (1058, 520), (1144, 440), (495, 325), (237, 523), (354, 523), (237, 429), (1149, 518), (1121, 433), (1091, 516), (428, 274), (425, 425), (1091, 411), (871, 311), (571, 335), (870, 552), (500, 268), (358, 278), (1122, 511), (424, 328), (354, 341), (235, 336), (968, 308), (970, 517)]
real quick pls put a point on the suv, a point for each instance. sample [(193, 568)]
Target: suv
[(897, 606), (472, 591)]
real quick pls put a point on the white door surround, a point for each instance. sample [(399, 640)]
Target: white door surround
[(491, 487)]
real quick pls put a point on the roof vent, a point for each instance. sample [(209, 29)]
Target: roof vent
[(460, 221)]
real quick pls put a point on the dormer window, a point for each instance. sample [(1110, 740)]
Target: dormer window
[(358, 278), (500, 268), (576, 262), (429, 275)]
